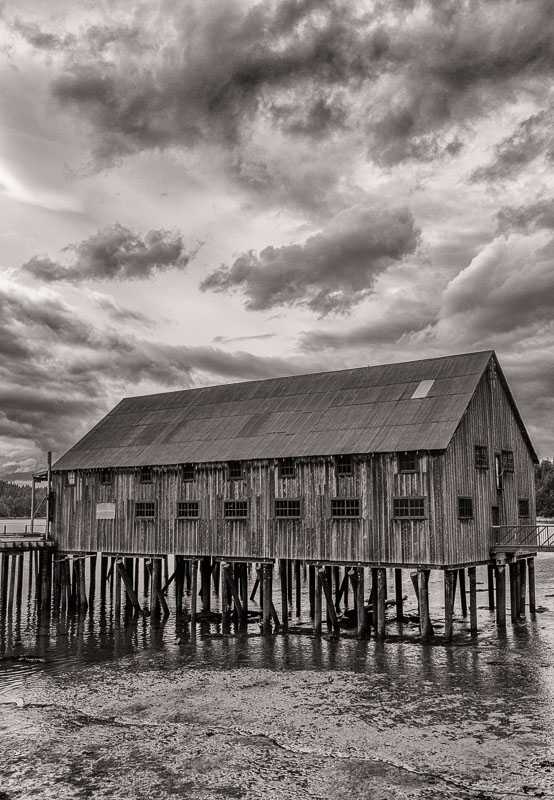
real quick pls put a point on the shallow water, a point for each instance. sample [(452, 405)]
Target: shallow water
[(479, 713)]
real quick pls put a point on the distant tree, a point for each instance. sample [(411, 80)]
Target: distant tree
[(545, 489), (15, 500)]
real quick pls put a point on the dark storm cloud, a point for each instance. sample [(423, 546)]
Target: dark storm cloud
[(331, 271), (114, 253), (527, 217), (59, 373), (532, 138), (412, 74)]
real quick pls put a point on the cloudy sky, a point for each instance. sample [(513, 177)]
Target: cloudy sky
[(211, 191)]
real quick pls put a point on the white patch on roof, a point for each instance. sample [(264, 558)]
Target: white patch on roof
[(422, 389)]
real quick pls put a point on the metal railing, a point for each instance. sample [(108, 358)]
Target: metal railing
[(22, 530), (535, 537)]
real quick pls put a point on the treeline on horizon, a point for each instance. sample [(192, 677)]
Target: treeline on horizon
[(15, 500)]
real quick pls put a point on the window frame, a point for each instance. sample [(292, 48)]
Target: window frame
[(409, 499), (465, 517), (344, 465), (145, 475), (405, 455), (226, 514), (479, 451), (153, 503), (525, 500), (507, 461), (185, 476), (71, 478), (345, 500), (286, 463), (187, 516), (103, 481), (298, 500), (230, 466)]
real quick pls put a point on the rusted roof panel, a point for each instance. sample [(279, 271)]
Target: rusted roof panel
[(369, 409)]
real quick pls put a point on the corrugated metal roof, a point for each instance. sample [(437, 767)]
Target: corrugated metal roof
[(369, 409)]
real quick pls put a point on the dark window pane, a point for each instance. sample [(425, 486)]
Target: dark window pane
[(465, 508), (345, 507), (145, 509), (106, 476), (234, 470), (70, 478), (481, 456), (523, 508), (189, 472), (409, 506), (344, 465), (287, 468), (188, 508), (287, 508), (407, 462), (235, 509), (145, 474)]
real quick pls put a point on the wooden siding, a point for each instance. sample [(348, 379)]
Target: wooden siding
[(490, 421), (374, 538)]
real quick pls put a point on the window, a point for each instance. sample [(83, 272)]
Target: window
[(187, 509), (407, 462), (481, 456), (106, 477), (234, 470), (498, 471), (465, 508), (145, 474), (71, 479), (345, 507), (287, 468), (507, 461), (287, 508), (145, 510), (423, 389), (408, 506), (523, 508), (344, 465), (188, 472), (235, 509)]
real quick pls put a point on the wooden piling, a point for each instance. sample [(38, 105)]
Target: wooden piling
[(472, 574), (311, 589), (323, 575), (12, 584), (317, 616), (4, 581), (490, 582), (425, 625), (361, 616), (82, 585), (179, 584), (19, 590), (297, 589), (532, 595), (92, 579), (128, 583), (266, 600), (380, 598), (283, 575), (45, 579), (205, 570), (522, 565), (103, 577), (337, 588), (193, 591), (223, 595), (232, 587), (243, 582), (514, 599), (329, 577), (449, 575), (373, 597), (463, 596), (500, 581), (398, 594)]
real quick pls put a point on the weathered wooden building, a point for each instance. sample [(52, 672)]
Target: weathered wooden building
[(406, 465)]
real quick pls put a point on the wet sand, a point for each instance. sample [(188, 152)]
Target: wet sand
[(417, 722)]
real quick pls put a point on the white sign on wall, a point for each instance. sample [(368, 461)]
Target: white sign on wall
[(105, 510)]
